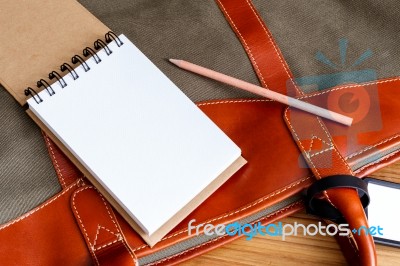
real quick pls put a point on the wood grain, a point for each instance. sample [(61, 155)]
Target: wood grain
[(295, 250)]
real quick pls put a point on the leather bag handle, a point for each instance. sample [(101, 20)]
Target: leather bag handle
[(307, 129)]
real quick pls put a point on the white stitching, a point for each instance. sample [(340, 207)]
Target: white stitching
[(39, 208), (313, 137), (305, 96), (60, 175), (312, 142), (298, 140), (326, 131), (334, 148), (123, 241), (320, 152), (235, 101), (245, 44), (275, 193), (275, 48), (106, 245), (111, 217), (98, 232), (133, 256), (78, 216), (309, 159), (372, 146), (81, 223), (95, 257), (120, 235)]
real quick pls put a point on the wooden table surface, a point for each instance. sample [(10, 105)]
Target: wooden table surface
[(295, 250)]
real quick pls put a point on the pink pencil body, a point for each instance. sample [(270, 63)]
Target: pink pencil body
[(263, 92)]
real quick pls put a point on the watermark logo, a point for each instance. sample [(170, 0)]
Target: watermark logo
[(360, 102), (279, 229), (343, 72)]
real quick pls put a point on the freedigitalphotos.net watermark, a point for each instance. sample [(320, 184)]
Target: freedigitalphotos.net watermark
[(279, 229)]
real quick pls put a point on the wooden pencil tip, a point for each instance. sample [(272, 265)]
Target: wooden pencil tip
[(174, 61)]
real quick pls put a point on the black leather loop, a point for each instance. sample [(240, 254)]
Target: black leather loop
[(324, 209)]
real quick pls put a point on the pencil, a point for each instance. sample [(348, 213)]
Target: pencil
[(263, 92)]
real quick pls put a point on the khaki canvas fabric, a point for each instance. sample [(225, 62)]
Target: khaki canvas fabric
[(323, 41)]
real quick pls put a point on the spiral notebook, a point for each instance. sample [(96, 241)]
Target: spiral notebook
[(152, 153)]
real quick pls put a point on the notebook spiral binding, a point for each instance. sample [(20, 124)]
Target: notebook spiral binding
[(76, 59)]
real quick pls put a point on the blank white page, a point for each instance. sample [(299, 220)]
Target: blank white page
[(148, 145)]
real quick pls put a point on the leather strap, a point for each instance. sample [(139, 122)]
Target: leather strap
[(265, 56), (324, 159), (307, 129), (101, 231)]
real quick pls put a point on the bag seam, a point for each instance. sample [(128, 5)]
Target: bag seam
[(372, 146), (224, 236), (379, 161), (259, 201)]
